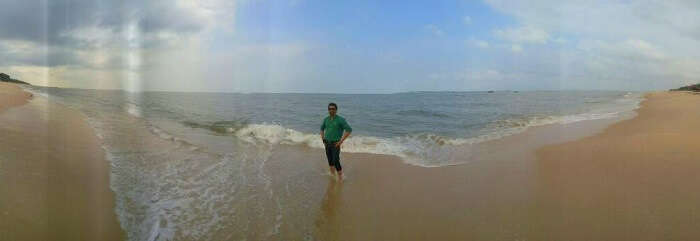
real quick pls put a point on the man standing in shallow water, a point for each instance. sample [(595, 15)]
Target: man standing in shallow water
[(332, 128)]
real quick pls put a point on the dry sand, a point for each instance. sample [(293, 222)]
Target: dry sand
[(639, 180), (54, 178), (11, 95)]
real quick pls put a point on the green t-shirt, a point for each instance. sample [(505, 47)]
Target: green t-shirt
[(333, 128)]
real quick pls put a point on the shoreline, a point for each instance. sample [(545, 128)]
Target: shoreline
[(492, 197), (54, 176), (545, 186), (636, 180), (547, 183)]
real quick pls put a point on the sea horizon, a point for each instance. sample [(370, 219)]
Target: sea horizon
[(358, 93)]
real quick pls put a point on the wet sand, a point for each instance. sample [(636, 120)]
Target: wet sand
[(54, 178), (637, 179)]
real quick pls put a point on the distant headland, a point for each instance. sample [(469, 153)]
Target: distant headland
[(695, 88), (6, 78)]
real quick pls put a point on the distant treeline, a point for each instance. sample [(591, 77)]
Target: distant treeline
[(6, 78), (695, 87)]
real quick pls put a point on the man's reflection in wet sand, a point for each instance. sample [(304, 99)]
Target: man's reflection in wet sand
[(328, 220)]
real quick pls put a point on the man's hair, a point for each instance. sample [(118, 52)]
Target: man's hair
[(333, 104)]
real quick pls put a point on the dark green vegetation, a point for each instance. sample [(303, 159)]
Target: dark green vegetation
[(6, 78), (695, 87)]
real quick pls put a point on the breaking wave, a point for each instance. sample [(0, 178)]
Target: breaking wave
[(423, 149)]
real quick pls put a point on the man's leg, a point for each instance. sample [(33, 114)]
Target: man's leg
[(329, 156), (336, 159)]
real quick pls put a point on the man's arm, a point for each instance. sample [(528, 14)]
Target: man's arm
[(323, 127), (347, 130), (345, 135)]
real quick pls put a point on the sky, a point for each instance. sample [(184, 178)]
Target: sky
[(360, 46)]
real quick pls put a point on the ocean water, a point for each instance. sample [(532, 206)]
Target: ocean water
[(198, 165)]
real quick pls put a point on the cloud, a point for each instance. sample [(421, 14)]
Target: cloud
[(644, 48), (560, 40), (101, 37), (484, 79), (635, 49), (523, 34), (434, 30), (467, 20), (238, 68), (49, 22), (478, 43), (611, 44), (516, 48), (608, 19), (90, 25)]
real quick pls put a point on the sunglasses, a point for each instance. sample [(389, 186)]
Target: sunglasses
[(331, 108)]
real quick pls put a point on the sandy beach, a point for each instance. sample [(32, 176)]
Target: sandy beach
[(632, 178), (481, 120), (636, 181), (54, 178)]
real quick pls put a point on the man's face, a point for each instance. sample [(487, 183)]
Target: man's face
[(332, 110)]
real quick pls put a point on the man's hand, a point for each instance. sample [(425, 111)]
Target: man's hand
[(345, 136)]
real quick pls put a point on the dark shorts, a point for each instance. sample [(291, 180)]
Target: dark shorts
[(333, 154)]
